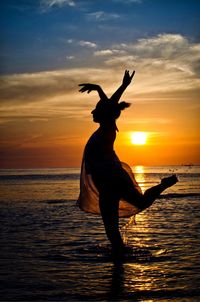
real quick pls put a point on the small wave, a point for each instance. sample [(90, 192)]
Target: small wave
[(179, 195), (34, 177), (144, 295), (103, 253), (56, 201)]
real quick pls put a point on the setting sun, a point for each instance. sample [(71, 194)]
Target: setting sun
[(138, 138)]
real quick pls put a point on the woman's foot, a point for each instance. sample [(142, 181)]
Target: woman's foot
[(169, 181)]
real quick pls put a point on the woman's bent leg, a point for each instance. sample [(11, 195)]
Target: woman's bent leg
[(143, 201), (151, 194)]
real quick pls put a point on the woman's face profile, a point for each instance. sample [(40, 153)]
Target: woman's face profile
[(99, 112), (95, 116)]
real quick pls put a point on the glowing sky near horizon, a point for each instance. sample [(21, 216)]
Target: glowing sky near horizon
[(48, 47)]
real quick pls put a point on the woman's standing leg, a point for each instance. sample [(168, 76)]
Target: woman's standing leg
[(109, 207)]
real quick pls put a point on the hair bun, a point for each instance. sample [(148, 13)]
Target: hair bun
[(124, 105)]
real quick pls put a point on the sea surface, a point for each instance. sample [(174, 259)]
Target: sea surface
[(52, 251)]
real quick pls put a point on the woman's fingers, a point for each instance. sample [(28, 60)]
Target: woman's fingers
[(132, 74), (86, 87)]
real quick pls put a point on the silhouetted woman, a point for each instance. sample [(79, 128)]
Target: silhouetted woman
[(108, 186)]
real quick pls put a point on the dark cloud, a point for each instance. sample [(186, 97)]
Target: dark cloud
[(34, 87)]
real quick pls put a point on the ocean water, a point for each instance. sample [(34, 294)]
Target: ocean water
[(52, 251)]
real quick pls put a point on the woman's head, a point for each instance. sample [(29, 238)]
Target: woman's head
[(108, 111)]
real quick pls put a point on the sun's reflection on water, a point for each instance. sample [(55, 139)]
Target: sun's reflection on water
[(138, 169), (136, 279), (140, 176)]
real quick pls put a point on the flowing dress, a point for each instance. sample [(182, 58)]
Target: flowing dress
[(102, 171)]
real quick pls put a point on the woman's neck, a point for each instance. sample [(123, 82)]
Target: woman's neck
[(111, 125)]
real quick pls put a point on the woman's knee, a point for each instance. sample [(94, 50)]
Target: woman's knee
[(139, 201), (145, 202)]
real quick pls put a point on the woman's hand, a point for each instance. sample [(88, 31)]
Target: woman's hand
[(126, 81), (88, 87), (127, 77)]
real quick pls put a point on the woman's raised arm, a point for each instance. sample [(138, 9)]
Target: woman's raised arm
[(126, 81), (90, 87)]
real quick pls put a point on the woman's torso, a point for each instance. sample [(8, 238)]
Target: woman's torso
[(99, 154)]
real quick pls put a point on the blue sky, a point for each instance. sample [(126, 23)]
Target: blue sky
[(46, 34)]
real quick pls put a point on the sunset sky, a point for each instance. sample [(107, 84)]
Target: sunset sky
[(48, 47)]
